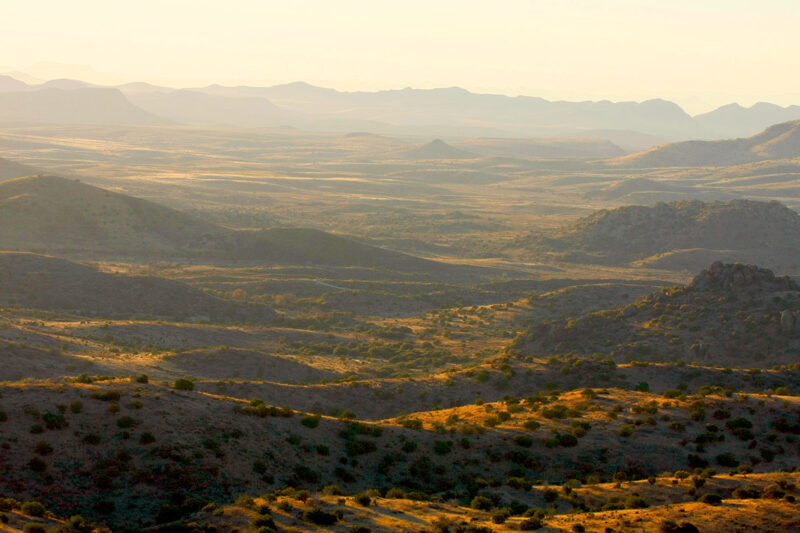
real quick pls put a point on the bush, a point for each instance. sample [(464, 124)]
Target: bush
[(310, 421), (34, 527), (634, 501), (107, 396), (146, 438), (37, 465), (264, 521), (530, 524), (125, 422), (183, 384), (43, 448), (523, 440), (363, 499), (443, 447), (727, 459), (141, 378), (33, 509), (670, 526), (710, 499), (320, 517), (481, 503), (76, 406), (550, 495)]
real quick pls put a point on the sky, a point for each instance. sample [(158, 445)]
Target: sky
[(700, 53)]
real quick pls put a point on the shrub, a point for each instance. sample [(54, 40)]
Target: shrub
[(531, 524), (91, 439), (320, 517), (411, 423), (727, 459), (634, 501), (710, 499), (76, 406), (363, 499), (43, 448), (523, 440), (264, 520), (310, 421), (34, 527), (550, 495), (670, 526), (146, 438), (107, 396), (183, 384), (33, 508), (626, 430), (37, 465), (531, 425), (481, 503), (443, 447), (141, 378), (125, 422)]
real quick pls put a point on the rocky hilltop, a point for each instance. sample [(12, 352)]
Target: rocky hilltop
[(679, 236), (730, 315)]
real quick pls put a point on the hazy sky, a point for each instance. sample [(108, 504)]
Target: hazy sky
[(700, 53)]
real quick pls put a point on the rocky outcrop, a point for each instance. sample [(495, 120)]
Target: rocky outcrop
[(736, 275)]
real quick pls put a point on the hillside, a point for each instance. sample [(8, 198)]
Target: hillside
[(49, 214), (544, 148), (42, 282), (436, 149), (678, 235), (158, 454), (730, 315), (83, 105), (11, 169), (781, 141)]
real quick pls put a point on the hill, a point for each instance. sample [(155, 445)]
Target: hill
[(42, 282), (49, 214), (730, 315), (543, 148), (82, 105), (11, 169), (436, 149), (739, 230), (192, 107), (781, 141)]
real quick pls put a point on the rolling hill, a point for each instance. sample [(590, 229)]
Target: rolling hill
[(682, 232), (781, 141), (11, 169), (48, 214), (82, 105), (730, 315), (42, 282)]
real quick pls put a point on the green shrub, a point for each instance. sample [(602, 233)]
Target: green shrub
[(481, 503), (443, 447), (320, 517), (363, 499), (33, 508), (523, 440), (141, 378), (183, 384), (710, 499), (531, 524), (310, 421), (76, 406)]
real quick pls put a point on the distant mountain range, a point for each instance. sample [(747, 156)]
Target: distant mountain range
[(447, 112)]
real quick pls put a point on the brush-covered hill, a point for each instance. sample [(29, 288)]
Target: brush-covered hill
[(730, 315), (42, 282), (781, 141), (680, 235), (48, 214)]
